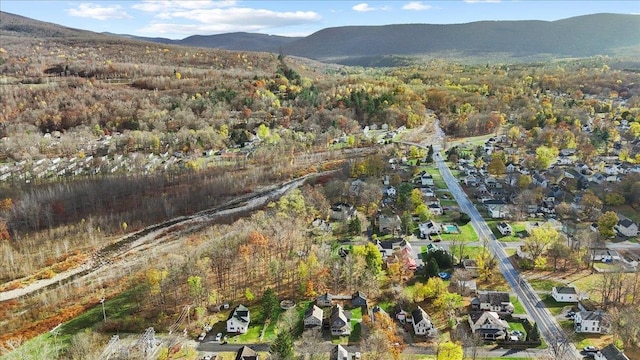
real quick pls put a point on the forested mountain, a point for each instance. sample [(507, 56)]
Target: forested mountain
[(600, 34), (589, 35)]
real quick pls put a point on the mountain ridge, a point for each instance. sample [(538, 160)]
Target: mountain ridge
[(581, 36)]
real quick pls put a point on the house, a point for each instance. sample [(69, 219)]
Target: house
[(247, 353), (498, 211), (340, 321), (492, 301), (238, 321), (504, 228), (426, 179), (389, 224), (339, 353), (401, 314), (324, 300), (470, 180), (359, 299), (610, 352), (595, 322), (435, 209), (390, 191), (539, 180), (313, 318), (564, 294), (429, 228), (342, 212), (385, 247), (422, 324), (627, 227), (488, 325), (511, 167), (428, 192)]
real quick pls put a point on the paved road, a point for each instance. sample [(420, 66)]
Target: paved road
[(549, 327)]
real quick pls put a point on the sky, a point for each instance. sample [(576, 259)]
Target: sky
[(177, 19)]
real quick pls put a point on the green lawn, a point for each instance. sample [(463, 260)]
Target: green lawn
[(356, 313), (467, 233), (516, 325), (555, 308), (544, 284), (470, 252), (518, 230), (518, 308)]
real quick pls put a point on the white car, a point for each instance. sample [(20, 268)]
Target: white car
[(218, 336), (202, 336)]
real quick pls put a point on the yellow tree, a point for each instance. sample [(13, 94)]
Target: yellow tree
[(450, 351)]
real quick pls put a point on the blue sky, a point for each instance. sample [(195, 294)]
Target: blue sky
[(177, 19)]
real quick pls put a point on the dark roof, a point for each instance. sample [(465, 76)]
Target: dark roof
[(565, 290), (597, 315), (611, 352), (495, 202), (246, 353), (503, 225), (336, 351), (625, 222), (419, 315), (386, 244), (241, 313), (495, 298), (359, 294)]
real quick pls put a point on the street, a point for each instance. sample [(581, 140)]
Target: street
[(549, 328)]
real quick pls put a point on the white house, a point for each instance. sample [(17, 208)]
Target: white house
[(564, 294), (610, 352), (595, 322), (504, 228), (435, 209), (422, 324), (498, 301), (429, 228), (488, 325), (238, 321), (627, 227)]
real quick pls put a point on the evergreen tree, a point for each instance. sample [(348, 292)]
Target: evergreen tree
[(282, 346), (432, 268)]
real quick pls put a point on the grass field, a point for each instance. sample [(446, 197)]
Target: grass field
[(467, 233), (518, 227), (517, 306), (555, 308), (544, 284)]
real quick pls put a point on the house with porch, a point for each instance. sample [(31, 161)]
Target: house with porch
[(488, 325)]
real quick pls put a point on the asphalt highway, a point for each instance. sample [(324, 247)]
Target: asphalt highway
[(547, 324)]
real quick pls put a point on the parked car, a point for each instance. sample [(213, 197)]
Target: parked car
[(218, 336), (571, 314), (590, 349), (202, 336)]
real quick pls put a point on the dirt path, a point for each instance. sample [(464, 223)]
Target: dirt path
[(122, 252)]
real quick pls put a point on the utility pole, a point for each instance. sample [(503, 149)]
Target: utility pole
[(104, 314)]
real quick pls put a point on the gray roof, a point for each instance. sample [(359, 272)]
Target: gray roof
[(246, 353), (592, 315), (565, 290), (625, 223), (611, 352), (495, 298)]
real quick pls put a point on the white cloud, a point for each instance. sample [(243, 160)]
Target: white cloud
[(363, 7), (162, 6), (98, 12), (481, 1), (416, 5), (209, 21)]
